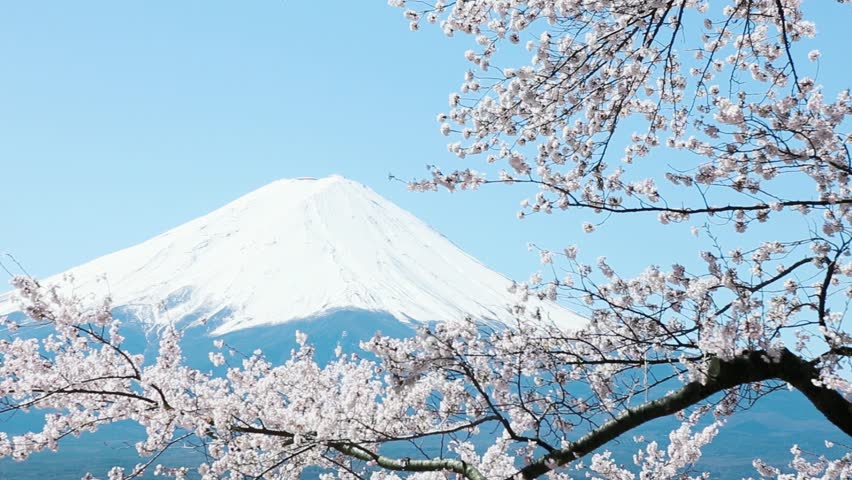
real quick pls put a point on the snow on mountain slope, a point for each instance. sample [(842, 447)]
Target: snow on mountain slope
[(297, 249)]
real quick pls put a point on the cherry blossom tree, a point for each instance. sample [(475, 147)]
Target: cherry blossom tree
[(718, 91)]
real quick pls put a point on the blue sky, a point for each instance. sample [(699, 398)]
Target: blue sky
[(119, 120)]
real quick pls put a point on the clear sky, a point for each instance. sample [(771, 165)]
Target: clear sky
[(119, 120)]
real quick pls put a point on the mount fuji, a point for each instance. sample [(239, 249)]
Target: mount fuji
[(299, 249), (328, 257)]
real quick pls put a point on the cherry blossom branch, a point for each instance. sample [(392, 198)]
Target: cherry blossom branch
[(783, 21), (723, 374), (410, 465), (684, 211)]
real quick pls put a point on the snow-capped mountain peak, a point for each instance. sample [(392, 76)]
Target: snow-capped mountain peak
[(295, 249)]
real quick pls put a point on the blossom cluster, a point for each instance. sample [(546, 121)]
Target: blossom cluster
[(543, 397)]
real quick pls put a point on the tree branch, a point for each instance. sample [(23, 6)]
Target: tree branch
[(723, 374), (408, 465)]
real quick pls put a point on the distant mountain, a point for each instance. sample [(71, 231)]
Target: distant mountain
[(298, 249), (328, 257)]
